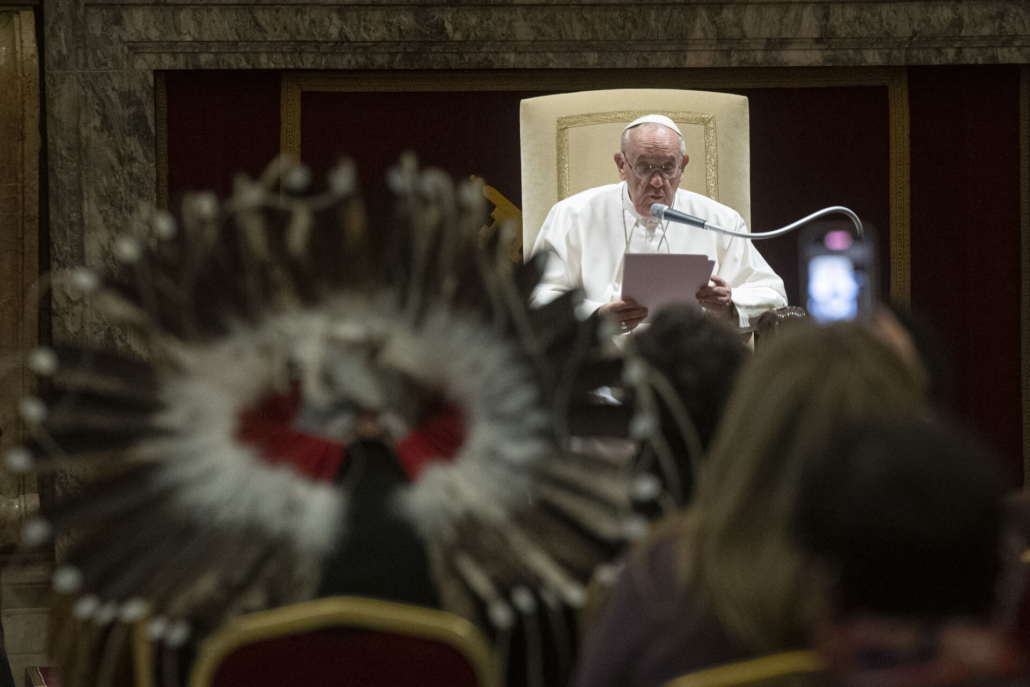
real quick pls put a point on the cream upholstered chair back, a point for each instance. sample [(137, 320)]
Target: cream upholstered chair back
[(569, 140)]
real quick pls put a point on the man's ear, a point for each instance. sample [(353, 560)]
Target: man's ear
[(686, 159), (622, 167)]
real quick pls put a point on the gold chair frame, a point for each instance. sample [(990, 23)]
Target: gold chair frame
[(340, 611), (752, 671)]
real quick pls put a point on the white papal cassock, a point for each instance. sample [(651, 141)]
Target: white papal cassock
[(587, 235)]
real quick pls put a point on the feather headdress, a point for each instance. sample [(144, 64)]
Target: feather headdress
[(279, 291)]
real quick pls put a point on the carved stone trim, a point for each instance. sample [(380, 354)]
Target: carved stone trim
[(585, 79), (355, 34), (705, 120)]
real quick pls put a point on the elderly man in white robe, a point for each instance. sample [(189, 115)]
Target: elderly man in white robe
[(588, 234)]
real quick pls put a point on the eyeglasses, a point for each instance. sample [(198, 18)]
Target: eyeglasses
[(646, 171)]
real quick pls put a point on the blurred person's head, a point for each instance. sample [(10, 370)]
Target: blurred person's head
[(700, 357), (771, 322), (904, 517), (902, 526), (789, 402)]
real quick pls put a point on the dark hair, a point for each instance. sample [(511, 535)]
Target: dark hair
[(935, 355), (700, 357), (769, 323), (908, 515)]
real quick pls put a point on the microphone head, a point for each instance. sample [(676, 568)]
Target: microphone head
[(658, 210)]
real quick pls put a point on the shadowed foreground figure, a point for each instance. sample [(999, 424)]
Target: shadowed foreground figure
[(903, 523), (700, 357), (722, 581)]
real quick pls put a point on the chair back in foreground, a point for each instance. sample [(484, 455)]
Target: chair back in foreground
[(346, 640), (569, 142), (789, 669)]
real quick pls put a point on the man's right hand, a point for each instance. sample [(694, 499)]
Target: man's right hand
[(627, 313)]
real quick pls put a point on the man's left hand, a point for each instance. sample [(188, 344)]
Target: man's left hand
[(716, 298)]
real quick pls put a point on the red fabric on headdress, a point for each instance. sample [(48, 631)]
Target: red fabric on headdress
[(268, 427), (437, 439)]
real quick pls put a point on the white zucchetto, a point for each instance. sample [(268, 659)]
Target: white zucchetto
[(654, 119)]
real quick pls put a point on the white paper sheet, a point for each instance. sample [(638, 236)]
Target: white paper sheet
[(657, 280)]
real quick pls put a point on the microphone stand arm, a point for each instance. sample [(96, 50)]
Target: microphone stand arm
[(836, 209)]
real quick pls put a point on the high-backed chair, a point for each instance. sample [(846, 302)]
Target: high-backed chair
[(346, 641), (568, 143)]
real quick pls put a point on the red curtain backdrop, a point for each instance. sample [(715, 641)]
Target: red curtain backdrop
[(810, 147), (965, 235), (219, 123)]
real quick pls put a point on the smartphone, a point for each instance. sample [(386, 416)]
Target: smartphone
[(838, 271)]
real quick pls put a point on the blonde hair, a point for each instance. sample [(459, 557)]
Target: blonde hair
[(736, 548)]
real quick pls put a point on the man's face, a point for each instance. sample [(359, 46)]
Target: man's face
[(652, 165)]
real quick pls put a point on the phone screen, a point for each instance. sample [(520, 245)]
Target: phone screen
[(833, 287), (838, 277)]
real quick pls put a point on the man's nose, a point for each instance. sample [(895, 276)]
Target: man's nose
[(656, 180)]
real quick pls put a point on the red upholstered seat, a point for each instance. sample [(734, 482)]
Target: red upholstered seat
[(346, 641), (345, 657)]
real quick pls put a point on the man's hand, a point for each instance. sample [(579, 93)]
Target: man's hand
[(627, 313), (716, 298)]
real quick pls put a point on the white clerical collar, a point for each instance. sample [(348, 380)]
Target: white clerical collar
[(627, 204)]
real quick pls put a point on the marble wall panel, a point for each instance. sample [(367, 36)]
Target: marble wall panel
[(340, 36), (98, 184)]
